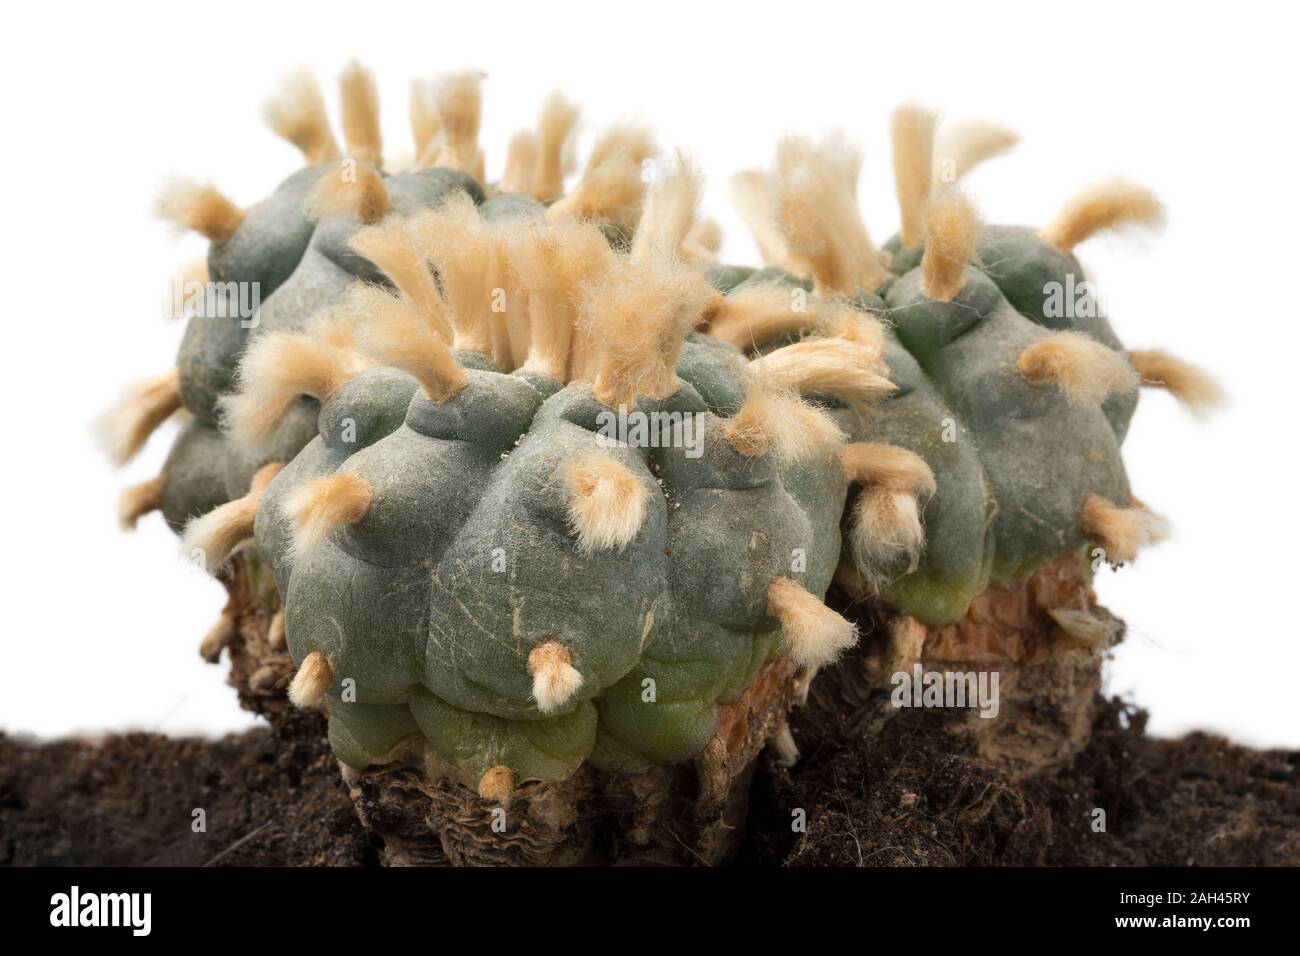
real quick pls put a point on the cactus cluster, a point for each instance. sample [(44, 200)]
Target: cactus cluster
[(539, 483)]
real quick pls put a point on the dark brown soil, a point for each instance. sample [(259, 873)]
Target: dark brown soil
[(896, 799), (129, 800), (899, 800)]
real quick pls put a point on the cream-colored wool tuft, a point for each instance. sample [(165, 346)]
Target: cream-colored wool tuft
[(359, 104), (194, 207), (521, 157), (124, 428), (886, 526), (912, 132), (555, 679), (640, 317), (906, 646), (296, 113), (814, 193), (139, 500), (212, 538), (701, 243), (553, 264), (396, 334), (459, 101), (1083, 630), (607, 504), (669, 212), (753, 201), (779, 421), (279, 368), (853, 373), (952, 233), (1121, 532), (1198, 392), (275, 634), (392, 246), (220, 635), (497, 785), (471, 262), (354, 189), (425, 123), (1085, 370), (960, 147), (612, 187), (319, 505), (312, 681), (554, 129), (1109, 205), (814, 634), (758, 314), (845, 322), (875, 463)]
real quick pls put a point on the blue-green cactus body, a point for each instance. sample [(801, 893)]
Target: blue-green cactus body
[(465, 561)]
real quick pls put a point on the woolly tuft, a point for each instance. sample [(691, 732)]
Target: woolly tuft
[(1194, 388), (641, 317), (669, 212), (888, 466), (392, 246), (701, 244), (607, 504), (312, 681), (814, 634), (555, 679), (1082, 629), (319, 505), (521, 157), (759, 314), (778, 421), (396, 334), (554, 264), (1085, 370), (194, 207), (220, 635), (814, 192), (279, 368), (497, 785), (296, 113), (1121, 532), (952, 233), (752, 199), (554, 128), (425, 123), (912, 132), (459, 101), (886, 535), (960, 147), (471, 264), (139, 500), (612, 187), (123, 430), (359, 102), (212, 538), (356, 189), (1110, 205), (853, 373)]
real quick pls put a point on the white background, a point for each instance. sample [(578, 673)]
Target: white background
[(102, 102)]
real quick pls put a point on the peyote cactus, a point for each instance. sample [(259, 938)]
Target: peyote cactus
[(541, 487)]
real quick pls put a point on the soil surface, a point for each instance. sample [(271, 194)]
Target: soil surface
[(276, 798)]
